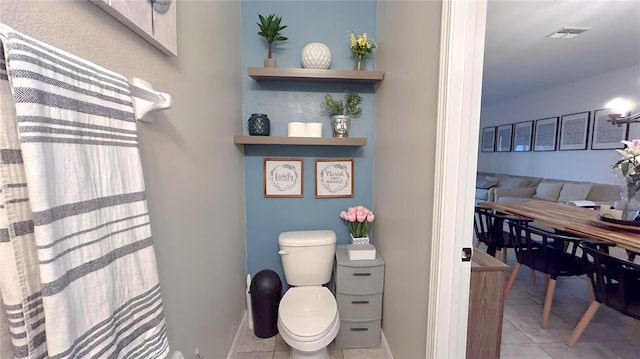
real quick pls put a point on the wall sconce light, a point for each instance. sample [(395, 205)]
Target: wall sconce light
[(621, 112)]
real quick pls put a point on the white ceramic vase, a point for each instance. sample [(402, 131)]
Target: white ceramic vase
[(316, 55)]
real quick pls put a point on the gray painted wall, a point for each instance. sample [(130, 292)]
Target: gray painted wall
[(585, 95), (193, 172), (404, 164)]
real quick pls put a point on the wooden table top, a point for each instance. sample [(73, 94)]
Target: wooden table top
[(577, 220)]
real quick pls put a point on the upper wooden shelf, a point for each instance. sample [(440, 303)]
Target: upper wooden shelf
[(304, 141), (314, 75)]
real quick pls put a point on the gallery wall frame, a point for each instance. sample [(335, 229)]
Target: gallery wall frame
[(545, 134), (606, 135), (488, 139), (154, 21), (283, 177), (522, 135), (334, 178), (574, 131), (504, 134)]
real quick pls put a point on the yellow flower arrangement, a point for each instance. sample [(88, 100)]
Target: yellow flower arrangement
[(361, 45)]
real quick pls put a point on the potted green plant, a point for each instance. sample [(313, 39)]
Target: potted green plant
[(341, 112), (270, 29)]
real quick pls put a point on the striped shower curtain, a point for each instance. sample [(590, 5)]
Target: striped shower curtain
[(78, 276)]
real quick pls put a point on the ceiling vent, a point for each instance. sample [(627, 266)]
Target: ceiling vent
[(568, 32)]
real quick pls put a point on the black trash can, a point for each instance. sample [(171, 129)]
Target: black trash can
[(265, 291)]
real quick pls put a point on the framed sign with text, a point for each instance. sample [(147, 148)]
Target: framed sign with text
[(283, 177), (334, 178)]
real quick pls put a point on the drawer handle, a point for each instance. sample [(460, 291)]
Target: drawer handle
[(359, 329), (359, 302), (361, 274)]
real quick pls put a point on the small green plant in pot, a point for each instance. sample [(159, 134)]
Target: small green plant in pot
[(270, 29), (341, 112)]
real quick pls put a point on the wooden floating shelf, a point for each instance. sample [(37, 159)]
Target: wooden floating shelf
[(315, 75), (299, 141)]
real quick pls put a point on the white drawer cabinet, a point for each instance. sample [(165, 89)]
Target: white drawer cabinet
[(358, 288)]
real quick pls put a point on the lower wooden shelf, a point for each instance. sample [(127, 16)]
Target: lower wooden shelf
[(299, 141)]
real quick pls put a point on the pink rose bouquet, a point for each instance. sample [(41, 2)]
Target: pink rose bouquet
[(358, 219)]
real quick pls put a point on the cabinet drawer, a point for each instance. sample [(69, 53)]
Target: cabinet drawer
[(359, 307), (359, 280), (358, 334)]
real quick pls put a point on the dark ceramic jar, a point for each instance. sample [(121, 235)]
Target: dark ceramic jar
[(259, 124)]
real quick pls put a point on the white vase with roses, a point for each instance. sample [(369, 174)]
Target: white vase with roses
[(628, 170), (358, 219)]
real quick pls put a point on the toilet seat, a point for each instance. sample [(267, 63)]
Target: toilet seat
[(308, 313)]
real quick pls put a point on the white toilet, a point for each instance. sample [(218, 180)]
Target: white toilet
[(308, 314)]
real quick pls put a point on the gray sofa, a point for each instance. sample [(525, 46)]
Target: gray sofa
[(552, 190), (487, 183)]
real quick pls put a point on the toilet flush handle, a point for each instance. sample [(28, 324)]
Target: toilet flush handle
[(283, 252)]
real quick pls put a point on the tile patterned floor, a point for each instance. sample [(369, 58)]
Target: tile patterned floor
[(610, 334), (252, 347)]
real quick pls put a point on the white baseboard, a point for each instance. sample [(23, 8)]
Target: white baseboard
[(385, 346), (238, 338)]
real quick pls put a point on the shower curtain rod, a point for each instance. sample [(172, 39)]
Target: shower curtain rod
[(146, 100)]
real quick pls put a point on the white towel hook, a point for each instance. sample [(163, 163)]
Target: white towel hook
[(146, 100)]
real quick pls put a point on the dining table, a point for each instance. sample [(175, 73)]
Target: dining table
[(584, 222)]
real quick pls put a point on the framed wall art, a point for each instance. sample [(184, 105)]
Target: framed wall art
[(488, 139), (503, 140), (545, 134), (522, 135), (334, 178), (574, 131), (283, 177), (606, 135), (154, 21)]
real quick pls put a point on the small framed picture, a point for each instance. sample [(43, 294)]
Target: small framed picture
[(574, 131), (334, 178), (523, 133), (283, 177), (488, 139), (606, 135), (503, 142), (545, 134)]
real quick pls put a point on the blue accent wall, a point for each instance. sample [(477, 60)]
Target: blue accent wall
[(329, 22)]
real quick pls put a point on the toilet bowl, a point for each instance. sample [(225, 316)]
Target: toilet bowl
[(308, 314), (308, 321)]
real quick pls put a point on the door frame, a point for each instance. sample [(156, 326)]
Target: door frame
[(459, 95)]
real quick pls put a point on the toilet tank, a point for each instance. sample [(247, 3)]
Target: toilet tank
[(307, 256)]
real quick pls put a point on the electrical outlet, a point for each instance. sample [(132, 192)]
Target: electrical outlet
[(197, 354)]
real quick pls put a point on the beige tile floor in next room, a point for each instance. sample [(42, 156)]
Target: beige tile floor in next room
[(610, 334)]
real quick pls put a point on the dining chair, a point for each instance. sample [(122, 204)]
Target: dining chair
[(489, 230), (616, 284), (550, 253)]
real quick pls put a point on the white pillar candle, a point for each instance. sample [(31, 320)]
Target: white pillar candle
[(314, 129), (297, 129)]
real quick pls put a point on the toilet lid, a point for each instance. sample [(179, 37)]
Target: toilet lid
[(308, 311)]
